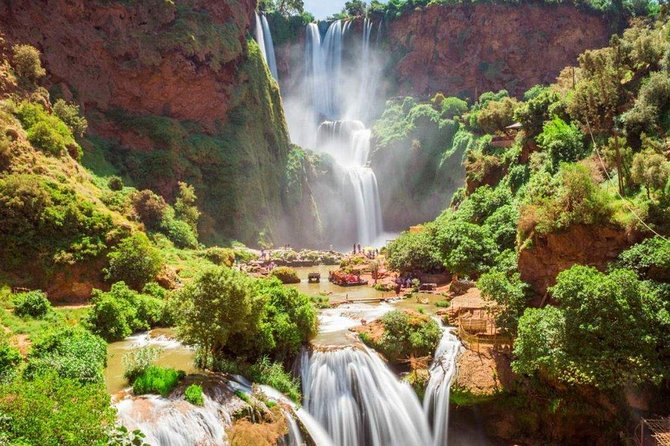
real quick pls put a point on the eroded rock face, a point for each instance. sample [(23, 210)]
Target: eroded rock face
[(472, 49), (135, 55), (547, 255)]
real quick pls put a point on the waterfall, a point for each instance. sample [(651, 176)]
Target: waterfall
[(263, 37), (167, 422), (359, 401), (436, 399)]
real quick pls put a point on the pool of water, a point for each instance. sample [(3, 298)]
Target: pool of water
[(173, 354)]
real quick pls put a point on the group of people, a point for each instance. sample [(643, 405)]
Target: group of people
[(402, 282), (369, 253)]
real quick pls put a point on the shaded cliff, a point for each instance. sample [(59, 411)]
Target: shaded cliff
[(173, 91)]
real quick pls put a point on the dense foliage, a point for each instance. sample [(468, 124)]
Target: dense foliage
[(157, 380), (406, 335), (32, 303), (134, 261), (226, 312)]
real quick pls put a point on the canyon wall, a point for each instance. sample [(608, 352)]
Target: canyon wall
[(173, 91), (466, 50)]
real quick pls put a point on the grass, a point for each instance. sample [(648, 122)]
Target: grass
[(35, 328), (157, 380), (464, 397)]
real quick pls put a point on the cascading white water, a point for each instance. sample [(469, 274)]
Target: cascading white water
[(436, 398), (263, 37), (359, 401)]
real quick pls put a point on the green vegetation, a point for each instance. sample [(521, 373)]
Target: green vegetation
[(285, 274), (413, 251), (32, 303), (406, 335), (193, 394), (158, 380), (122, 311), (134, 261), (224, 312), (137, 361)]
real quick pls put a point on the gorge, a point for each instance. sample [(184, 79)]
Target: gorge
[(418, 222)]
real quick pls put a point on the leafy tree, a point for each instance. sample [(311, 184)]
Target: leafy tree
[(502, 225), (355, 8), (467, 249), (185, 206), (563, 141), (605, 332), (46, 131), (218, 304), (650, 170), (290, 7), (650, 259), (33, 303), (508, 291), (150, 207), (541, 103), (55, 411), (497, 115), (69, 114), (178, 231), (134, 261), (26, 62), (414, 251)]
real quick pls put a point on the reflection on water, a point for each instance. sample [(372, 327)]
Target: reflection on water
[(173, 354)]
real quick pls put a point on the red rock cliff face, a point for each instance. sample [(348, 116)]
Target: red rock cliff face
[(468, 50), (128, 55)]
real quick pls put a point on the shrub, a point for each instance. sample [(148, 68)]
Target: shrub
[(496, 115), (193, 394), (71, 353), (185, 207), (273, 374), (45, 131), (285, 274), (69, 114), (134, 261), (10, 358), (150, 207), (32, 303), (650, 258), (414, 251), (115, 183), (220, 256), (157, 380), (26, 62), (563, 141), (467, 249), (179, 232), (55, 411), (137, 361), (508, 291), (121, 311), (407, 334)]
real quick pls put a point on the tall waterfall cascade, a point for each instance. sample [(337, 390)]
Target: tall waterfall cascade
[(263, 37), (338, 84)]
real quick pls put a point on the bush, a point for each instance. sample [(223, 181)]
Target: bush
[(46, 131), (650, 259), (72, 353), (179, 232), (193, 394), (150, 207), (27, 64), (405, 335), (115, 183), (10, 358), (69, 114), (467, 249), (157, 380), (285, 274), (118, 313), (32, 303), (220, 256), (134, 261), (55, 411), (273, 374), (414, 251), (138, 361), (564, 142)]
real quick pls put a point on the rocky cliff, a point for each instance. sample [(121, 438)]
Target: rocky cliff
[(173, 91), (466, 50)]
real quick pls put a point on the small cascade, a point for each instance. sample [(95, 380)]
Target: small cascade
[(167, 422), (436, 399), (359, 401), (263, 37)]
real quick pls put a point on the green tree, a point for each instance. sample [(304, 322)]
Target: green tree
[(134, 261), (26, 62), (414, 251), (217, 305), (564, 142), (69, 114), (650, 170), (497, 115), (605, 332), (185, 206), (355, 8), (508, 292), (33, 303), (467, 249)]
